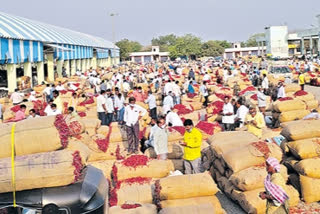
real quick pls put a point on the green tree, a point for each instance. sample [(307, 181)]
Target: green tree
[(126, 47), (251, 42), (188, 45), (212, 48), (164, 42)]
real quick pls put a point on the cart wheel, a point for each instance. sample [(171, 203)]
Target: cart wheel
[(50, 209)]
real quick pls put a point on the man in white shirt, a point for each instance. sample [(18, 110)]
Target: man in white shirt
[(32, 114), (281, 91), (119, 105), (132, 114), (126, 88), (151, 101), (47, 93), (173, 119), (101, 108), (204, 92), (168, 87), (16, 97), (72, 87), (262, 100), (228, 115), (206, 77), (32, 96), (265, 83), (110, 107), (176, 92), (54, 110), (167, 103), (240, 116), (60, 87)]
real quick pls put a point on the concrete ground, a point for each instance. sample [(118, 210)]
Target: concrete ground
[(314, 90), (228, 205)]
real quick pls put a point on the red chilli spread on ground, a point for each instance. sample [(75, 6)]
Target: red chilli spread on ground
[(262, 147), (300, 93), (77, 163), (285, 99), (220, 96), (136, 160), (130, 206), (182, 109), (179, 129), (63, 130), (82, 114), (191, 95), (87, 102), (250, 88), (218, 106), (206, 127)]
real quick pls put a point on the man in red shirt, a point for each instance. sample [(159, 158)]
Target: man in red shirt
[(21, 114)]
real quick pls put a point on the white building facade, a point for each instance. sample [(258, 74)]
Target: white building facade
[(153, 56)]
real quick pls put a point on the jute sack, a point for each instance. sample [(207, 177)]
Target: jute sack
[(289, 105), (105, 166), (83, 149), (196, 105), (174, 187), (194, 116), (174, 136), (31, 136), (92, 125), (292, 88), (195, 201), (40, 170), (153, 169), (309, 167), (310, 189), (144, 209), (250, 201), (253, 177), (312, 104), (306, 97), (175, 151), (141, 193), (248, 156), (306, 148), (225, 141), (302, 129), (193, 209), (293, 115)]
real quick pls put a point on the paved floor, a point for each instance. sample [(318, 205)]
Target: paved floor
[(314, 90), (228, 205)]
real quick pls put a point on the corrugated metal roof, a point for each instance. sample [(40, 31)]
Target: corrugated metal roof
[(16, 27)]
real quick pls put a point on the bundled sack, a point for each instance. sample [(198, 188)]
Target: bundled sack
[(289, 105), (136, 208), (312, 104), (141, 165), (310, 189), (41, 170), (306, 148), (187, 186), (43, 134), (105, 166), (175, 151), (292, 88), (301, 129), (293, 115), (304, 96), (213, 200), (252, 155), (92, 125), (225, 141), (309, 167), (141, 193), (192, 209), (253, 177)]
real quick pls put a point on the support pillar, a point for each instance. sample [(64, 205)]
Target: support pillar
[(311, 47), (73, 67), (40, 72), (59, 67), (12, 77), (302, 46), (79, 65), (94, 62), (28, 71), (109, 62), (50, 66), (83, 65), (66, 65)]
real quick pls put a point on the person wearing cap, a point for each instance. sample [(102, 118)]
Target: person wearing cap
[(167, 103), (275, 186), (254, 121), (192, 148), (132, 114)]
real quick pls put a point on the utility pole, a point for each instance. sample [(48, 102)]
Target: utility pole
[(113, 35)]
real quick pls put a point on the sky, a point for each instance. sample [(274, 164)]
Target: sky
[(142, 20)]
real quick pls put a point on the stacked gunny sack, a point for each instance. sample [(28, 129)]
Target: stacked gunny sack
[(44, 155), (239, 168), (302, 157)]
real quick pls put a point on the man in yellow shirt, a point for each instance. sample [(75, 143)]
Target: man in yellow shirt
[(57, 100), (301, 80), (254, 121), (192, 148)]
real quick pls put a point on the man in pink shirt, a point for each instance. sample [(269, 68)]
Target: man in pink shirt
[(137, 94), (21, 115)]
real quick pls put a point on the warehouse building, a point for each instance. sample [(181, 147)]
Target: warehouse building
[(42, 51)]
